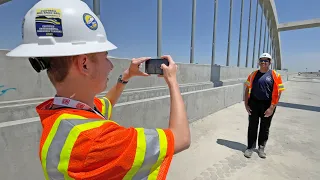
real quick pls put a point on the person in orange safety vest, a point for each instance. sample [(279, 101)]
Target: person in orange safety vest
[(79, 138), (263, 91)]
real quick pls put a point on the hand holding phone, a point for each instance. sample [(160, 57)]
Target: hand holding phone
[(153, 66)]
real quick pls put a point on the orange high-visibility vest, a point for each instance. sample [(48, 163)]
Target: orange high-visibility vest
[(277, 85), (78, 144)]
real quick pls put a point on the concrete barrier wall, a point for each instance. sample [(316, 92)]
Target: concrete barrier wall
[(18, 74), (19, 81), (227, 74), (19, 140), (16, 110)]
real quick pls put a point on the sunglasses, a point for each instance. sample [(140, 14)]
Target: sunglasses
[(264, 60)]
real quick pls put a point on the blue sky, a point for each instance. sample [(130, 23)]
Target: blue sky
[(132, 25)]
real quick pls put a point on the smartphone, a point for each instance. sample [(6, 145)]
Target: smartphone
[(153, 66)]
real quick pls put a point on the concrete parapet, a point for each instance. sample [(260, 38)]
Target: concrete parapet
[(227, 75), (23, 82), (21, 109)]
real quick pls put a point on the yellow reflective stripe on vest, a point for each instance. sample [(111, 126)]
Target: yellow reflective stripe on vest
[(53, 153), (140, 152), (163, 144), (103, 109), (57, 143), (276, 73), (106, 107), (150, 152), (50, 137), (109, 108), (69, 143)]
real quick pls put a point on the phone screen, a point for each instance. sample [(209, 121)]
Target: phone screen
[(153, 66)]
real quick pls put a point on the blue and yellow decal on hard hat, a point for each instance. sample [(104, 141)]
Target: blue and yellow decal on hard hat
[(90, 21), (48, 22)]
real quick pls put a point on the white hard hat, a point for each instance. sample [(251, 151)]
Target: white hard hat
[(61, 28), (265, 55)]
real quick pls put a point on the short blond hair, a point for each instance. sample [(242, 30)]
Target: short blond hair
[(59, 67)]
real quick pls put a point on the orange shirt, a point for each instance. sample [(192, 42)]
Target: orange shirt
[(78, 144), (277, 85)]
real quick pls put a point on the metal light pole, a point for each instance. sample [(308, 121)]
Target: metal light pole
[(255, 35), (159, 28), (214, 33), (193, 26), (240, 33), (229, 34), (248, 41), (96, 8)]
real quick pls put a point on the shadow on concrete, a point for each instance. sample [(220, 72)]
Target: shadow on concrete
[(300, 106), (232, 145), (305, 81)]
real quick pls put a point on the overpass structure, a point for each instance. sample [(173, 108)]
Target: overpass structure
[(213, 93), (299, 25)]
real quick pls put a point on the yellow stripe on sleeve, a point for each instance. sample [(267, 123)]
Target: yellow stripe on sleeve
[(163, 145), (140, 153)]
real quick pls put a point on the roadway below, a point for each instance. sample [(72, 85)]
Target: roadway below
[(293, 149)]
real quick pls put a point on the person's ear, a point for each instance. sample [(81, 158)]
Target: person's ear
[(83, 64)]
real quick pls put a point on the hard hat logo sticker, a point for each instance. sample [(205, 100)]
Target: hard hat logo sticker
[(90, 21), (48, 22)]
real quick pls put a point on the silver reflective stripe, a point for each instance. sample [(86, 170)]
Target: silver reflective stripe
[(151, 156), (53, 156)]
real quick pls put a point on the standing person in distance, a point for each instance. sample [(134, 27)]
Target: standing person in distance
[(79, 140), (263, 91)]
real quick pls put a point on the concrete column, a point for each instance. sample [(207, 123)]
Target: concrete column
[(249, 25), (229, 33), (255, 35), (240, 33), (275, 60), (268, 36), (260, 36), (159, 29), (265, 33), (273, 55), (214, 32), (272, 48), (193, 26), (270, 45)]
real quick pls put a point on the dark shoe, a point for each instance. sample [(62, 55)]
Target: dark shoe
[(248, 153), (261, 152)]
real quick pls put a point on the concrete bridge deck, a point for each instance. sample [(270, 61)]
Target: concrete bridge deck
[(293, 149)]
